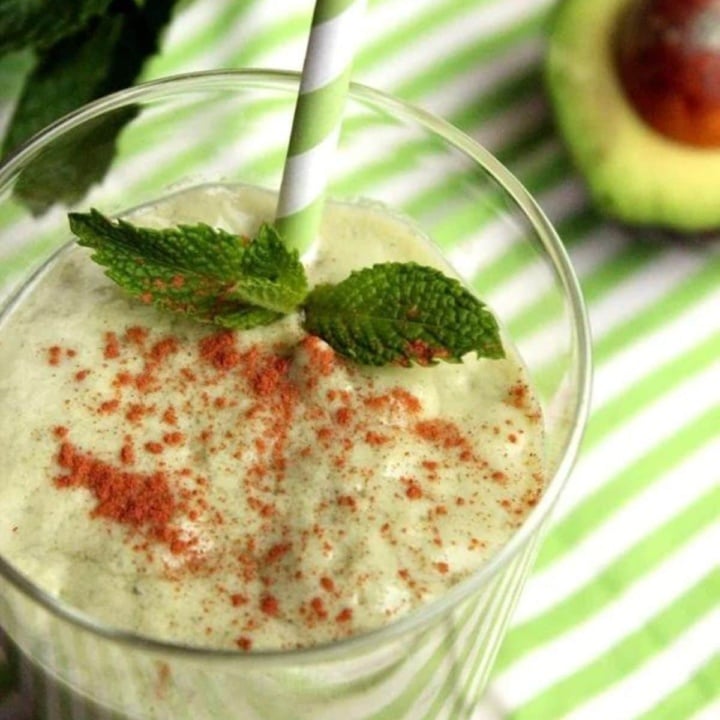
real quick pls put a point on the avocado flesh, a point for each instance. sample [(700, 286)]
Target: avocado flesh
[(633, 172)]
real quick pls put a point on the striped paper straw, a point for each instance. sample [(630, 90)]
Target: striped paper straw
[(317, 120)]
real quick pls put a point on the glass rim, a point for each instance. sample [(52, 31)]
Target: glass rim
[(419, 617)]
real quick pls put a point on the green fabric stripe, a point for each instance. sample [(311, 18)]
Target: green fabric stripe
[(469, 666), (328, 9), (513, 152), (612, 582), (375, 51), (184, 54), (318, 114), (423, 676), (527, 82), (495, 101), (595, 509), (628, 655), (470, 220), (663, 311), (482, 50), (678, 299), (660, 381), (686, 700), (503, 268), (283, 31), (601, 280)]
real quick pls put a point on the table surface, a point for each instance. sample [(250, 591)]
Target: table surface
[(621, 617)]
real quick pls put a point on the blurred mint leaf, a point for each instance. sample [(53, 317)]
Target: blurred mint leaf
[(401, 313), (198, 271), (41, 23), (106, 55)]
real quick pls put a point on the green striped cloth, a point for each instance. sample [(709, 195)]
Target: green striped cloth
[(621, 617)]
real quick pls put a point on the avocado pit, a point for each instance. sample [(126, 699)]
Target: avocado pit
[(667, 57)]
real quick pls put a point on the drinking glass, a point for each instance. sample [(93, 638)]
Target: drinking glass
[(141, 144)]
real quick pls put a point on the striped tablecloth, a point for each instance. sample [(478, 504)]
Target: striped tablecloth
[(621, 618)]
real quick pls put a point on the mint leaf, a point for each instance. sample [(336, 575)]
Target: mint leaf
[(205, 273), (401, 313), (40, 23), (271, 276), (106, 55)]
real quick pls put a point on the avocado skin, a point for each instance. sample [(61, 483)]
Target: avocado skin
[(633, 173)]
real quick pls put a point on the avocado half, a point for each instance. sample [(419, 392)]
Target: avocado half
[(634, 173)]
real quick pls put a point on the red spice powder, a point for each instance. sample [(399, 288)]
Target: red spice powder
[(54, 355), (238, 599), (270, 374), (80, 375), (327, 583), (423, 353), (518, 395), (440, 432), (244, 643), (135, 412), (277, 552), (375, 438), (269, 605), (220, 350), (122, 379), (109, 406), (137, 334), (127, 453), (343, 416), (345, 615), (346, 501), (318, 606), (162, 349), (112, 346), (412, 489), (321, 355), (134, 499)]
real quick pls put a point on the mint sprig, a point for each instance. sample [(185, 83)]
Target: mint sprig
[(402, 313), (390, 313), (198, 271)]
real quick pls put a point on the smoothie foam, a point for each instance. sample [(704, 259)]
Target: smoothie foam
[(249, 490)]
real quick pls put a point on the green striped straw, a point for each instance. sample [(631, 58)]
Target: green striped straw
[(318, 115)]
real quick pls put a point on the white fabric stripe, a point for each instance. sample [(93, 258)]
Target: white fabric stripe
[(559, 202), (332, 45), (450, 97), (657, 422), (694, 325), (620, 617), (423, 52), (641, 289), (305, 176), (596, 250), (539, 345), (672, 668), (710, 712), (627, 527)]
